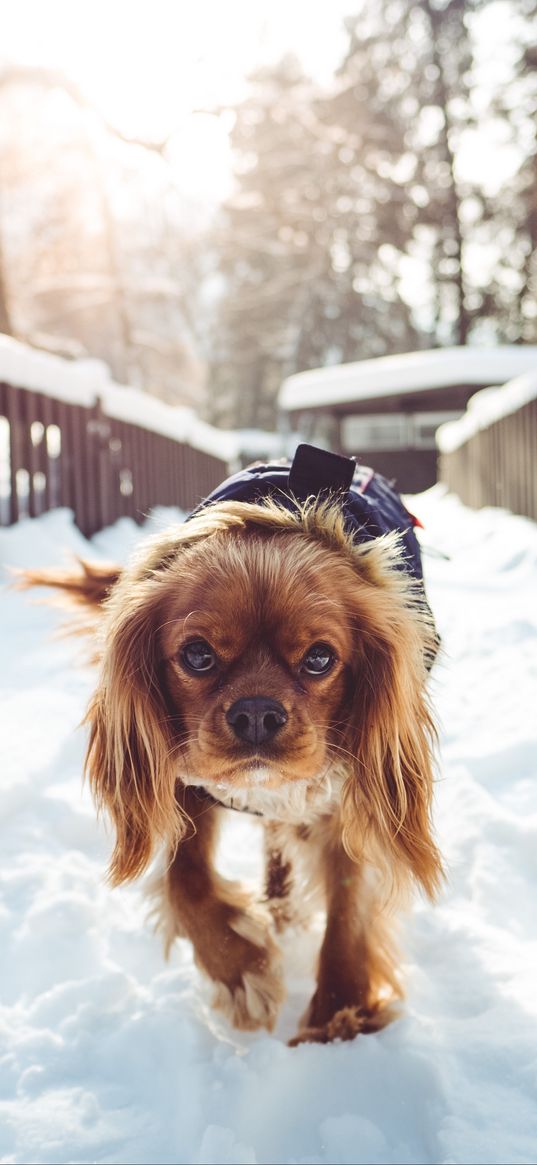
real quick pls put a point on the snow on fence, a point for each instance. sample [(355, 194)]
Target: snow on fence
[(489, 456), (70, 437)]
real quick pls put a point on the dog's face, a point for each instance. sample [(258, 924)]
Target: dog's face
[(254, 646), (258, 650)]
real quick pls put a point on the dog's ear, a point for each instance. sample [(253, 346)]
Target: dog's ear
[(130, 757), (391, 730)]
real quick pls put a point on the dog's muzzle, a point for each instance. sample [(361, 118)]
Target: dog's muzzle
[(256, 719)]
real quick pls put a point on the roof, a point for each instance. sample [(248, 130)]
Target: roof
[(410, 372)]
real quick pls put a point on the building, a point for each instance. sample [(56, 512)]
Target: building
[(386, 411)]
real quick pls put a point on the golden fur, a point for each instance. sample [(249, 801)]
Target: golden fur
[(346, 778)]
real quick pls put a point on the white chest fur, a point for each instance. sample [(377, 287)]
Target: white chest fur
[(294, 802)]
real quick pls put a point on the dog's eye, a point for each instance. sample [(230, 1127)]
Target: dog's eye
[(198, 656), (318, 660)]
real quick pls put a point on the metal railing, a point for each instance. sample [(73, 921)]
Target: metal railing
[(57, 453)]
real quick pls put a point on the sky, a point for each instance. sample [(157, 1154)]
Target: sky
[(149, 65), (146, 60), (160, 68), (153, 66)]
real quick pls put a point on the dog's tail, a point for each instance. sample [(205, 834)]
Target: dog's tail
[(87, 588)]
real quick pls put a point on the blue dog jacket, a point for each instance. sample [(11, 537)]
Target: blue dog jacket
[(370, 505)]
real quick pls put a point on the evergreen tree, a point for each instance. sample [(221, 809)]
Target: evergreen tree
[(410, 62), (306, 249), (513, 292)]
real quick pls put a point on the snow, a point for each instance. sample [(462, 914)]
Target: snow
[(85, 382), (409, 372), (108, 1054), (182, 424), (486, 407), (75, 381)]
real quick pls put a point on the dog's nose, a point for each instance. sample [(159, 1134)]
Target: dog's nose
[(256, 719)]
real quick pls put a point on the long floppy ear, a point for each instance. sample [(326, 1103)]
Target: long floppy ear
[(392, 733), (130, 757)]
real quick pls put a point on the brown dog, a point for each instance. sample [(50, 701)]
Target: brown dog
[(262, 659)]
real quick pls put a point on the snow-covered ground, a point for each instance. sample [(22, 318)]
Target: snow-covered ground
[(108, 1054)]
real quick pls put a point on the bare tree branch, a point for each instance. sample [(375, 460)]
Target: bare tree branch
[(54, 79)]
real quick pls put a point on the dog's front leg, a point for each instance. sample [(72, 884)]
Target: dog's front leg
[(230, 935), (357, 981)]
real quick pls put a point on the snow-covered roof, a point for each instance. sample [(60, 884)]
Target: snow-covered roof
[(486, 407), (409, 372), (84, 382)]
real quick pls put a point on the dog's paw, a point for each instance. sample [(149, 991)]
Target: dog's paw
[(251, 992), (253, 1003), (346, 1024)]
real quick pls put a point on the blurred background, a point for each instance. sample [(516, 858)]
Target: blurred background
[(211, 198)]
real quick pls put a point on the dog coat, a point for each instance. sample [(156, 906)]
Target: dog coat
[(370, 505)]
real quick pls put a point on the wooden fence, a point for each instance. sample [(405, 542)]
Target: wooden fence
[(497, 466), (55, 453)]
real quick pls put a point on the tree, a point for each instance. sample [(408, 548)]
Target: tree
[(90, 267), (305, 262), (514, 213), (6, 325), (411, 61)]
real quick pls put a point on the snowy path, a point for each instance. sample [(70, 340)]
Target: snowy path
[(108, 1054)]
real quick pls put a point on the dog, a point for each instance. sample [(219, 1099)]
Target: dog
[(271, 656)]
